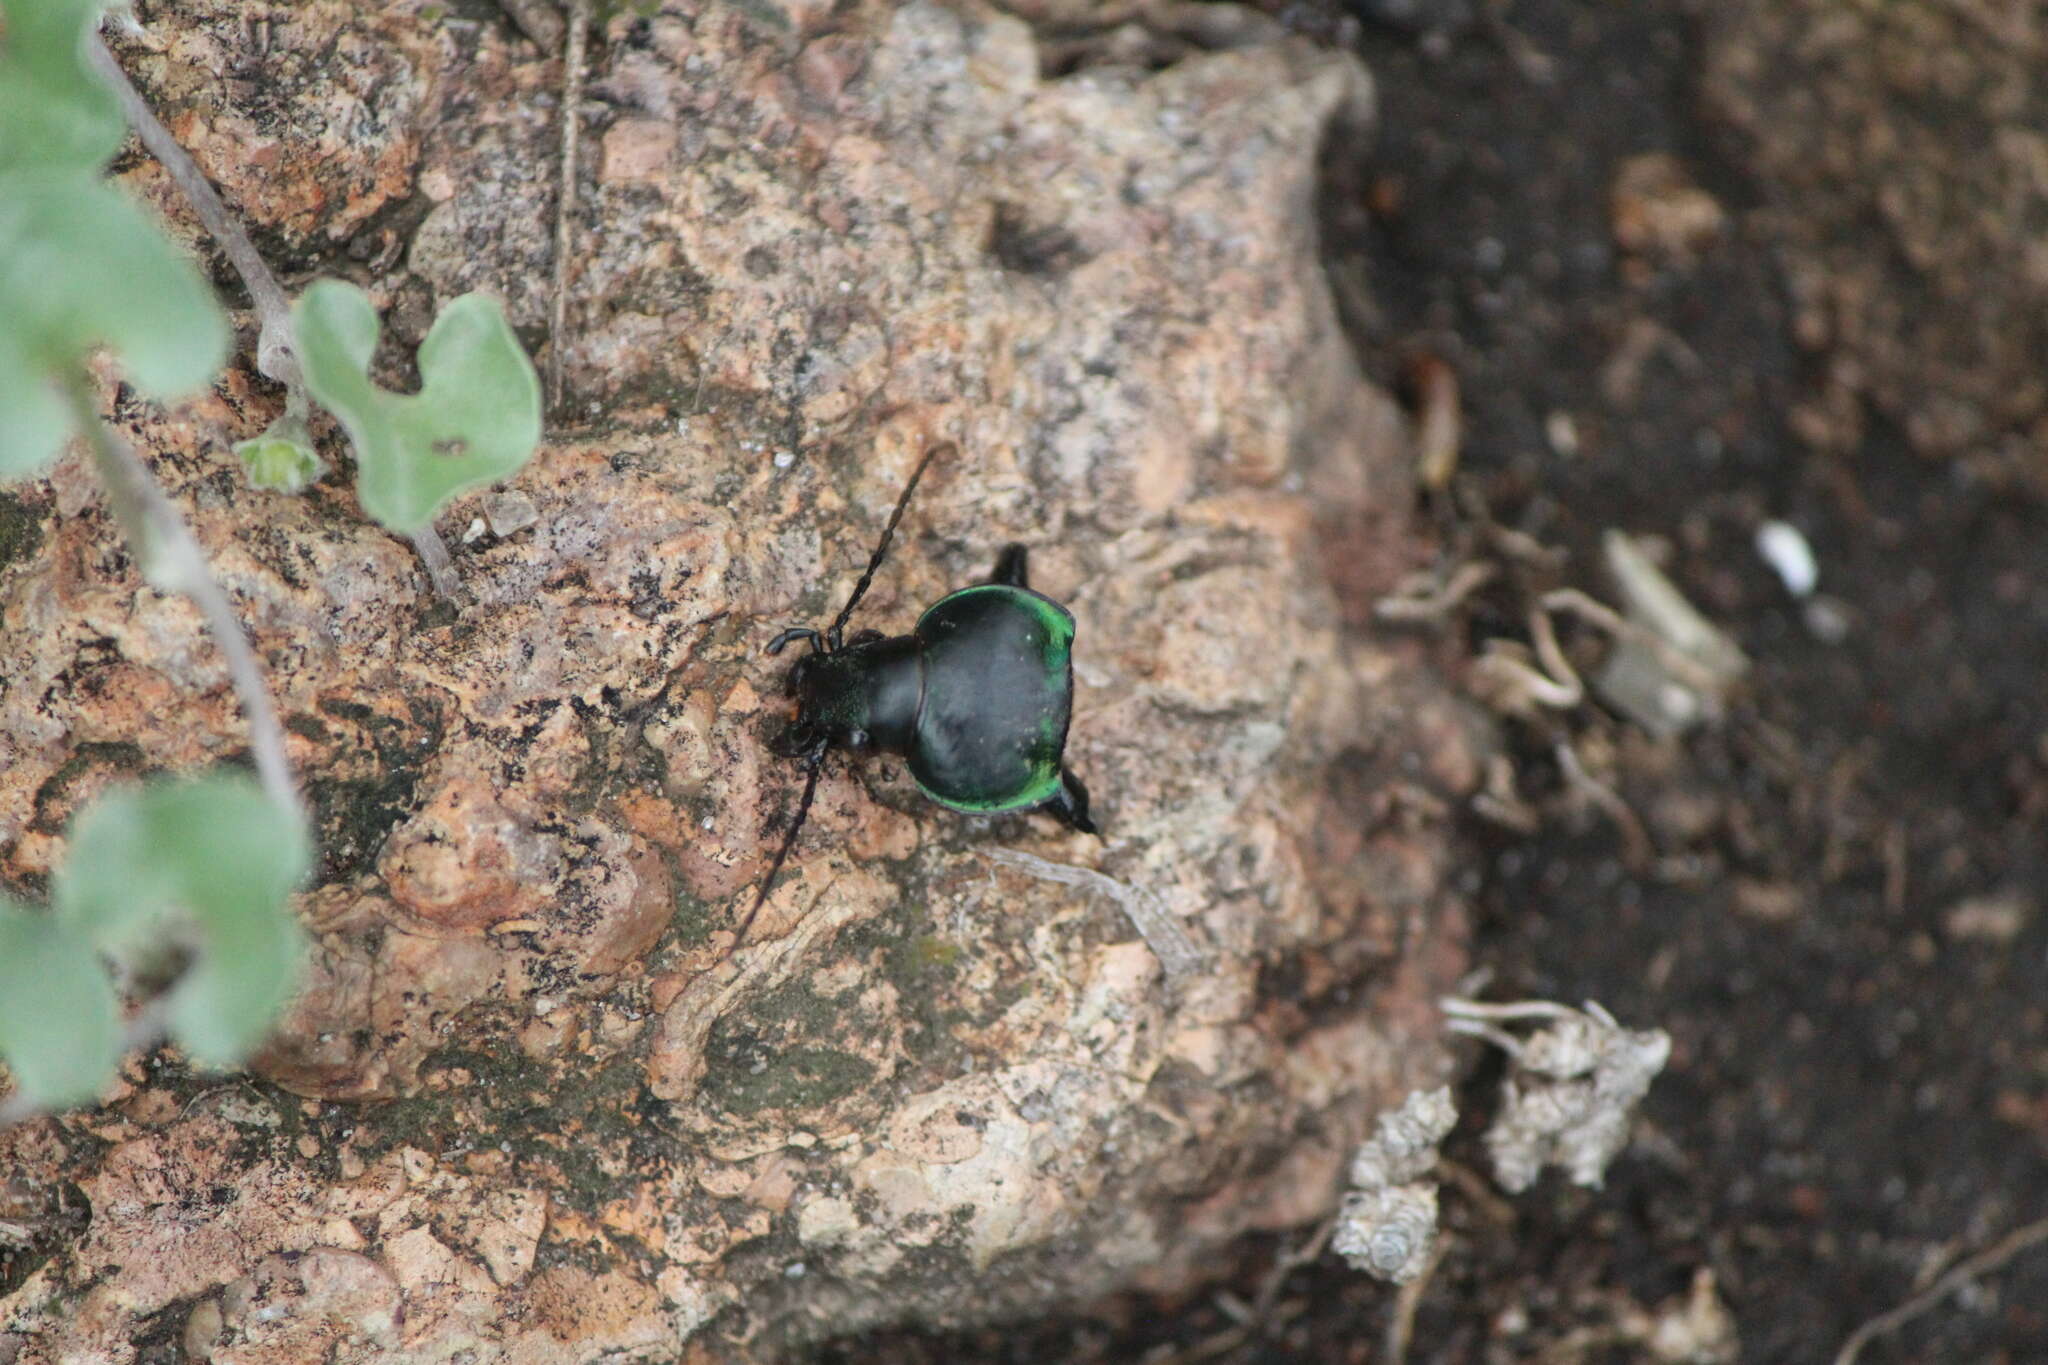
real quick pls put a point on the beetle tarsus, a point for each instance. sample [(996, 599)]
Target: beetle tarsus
[(1010, 567), (780, 642), (1069, 805)]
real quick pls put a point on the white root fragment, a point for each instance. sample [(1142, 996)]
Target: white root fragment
[(1178, 956), (1678, 677), (1571, 1087)]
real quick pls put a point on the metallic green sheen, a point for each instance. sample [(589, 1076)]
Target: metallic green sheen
[(998, 692)]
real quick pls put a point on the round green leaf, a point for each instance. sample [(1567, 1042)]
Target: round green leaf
[(60, 1030), (475, 420), (53, 110), (83, 266), (224, 854)]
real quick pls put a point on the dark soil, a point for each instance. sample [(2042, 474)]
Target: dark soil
[(1858, 1094)]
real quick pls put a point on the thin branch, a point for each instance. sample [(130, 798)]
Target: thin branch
[(1178, 956), (1638, 850), (1991, 1258), (274, 353), (172, 559), (573, 59), (1401, 1323)]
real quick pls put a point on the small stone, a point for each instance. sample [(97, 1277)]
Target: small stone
[(1785, 549), (1996, 918), (509, 511), (202, 1330)]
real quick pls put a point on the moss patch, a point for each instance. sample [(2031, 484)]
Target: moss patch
[(21, 530), (800, 1078)]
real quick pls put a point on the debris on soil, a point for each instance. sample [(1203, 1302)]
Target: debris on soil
[(1570, 1090), (1786, 550), (1992, 1258), (1676, 671), (1658, 211), (1439, 429), (1387, 1226)]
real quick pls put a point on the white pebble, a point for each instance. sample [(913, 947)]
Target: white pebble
[(1786, 551)]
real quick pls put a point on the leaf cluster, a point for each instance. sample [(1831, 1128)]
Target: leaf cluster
[(187, 876), (83, 266), (175, 895)]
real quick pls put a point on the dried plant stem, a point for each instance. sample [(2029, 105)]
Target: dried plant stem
[(274, 353), (1178, 956), (1401, 1323), (433, 553), (573, 61), (171, 558), (1984, 1262)]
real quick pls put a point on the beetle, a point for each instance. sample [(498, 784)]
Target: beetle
[(976, 699)]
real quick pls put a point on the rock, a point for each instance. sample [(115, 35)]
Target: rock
[(556, 1113)]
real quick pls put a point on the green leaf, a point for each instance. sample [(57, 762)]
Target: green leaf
[(282, 459), (53, 111), (223, 853), (475, 420), (60, 1029), (80, 266), (33, 419)]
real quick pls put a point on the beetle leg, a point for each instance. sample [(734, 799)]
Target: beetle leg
[(776, 645), (1010, 569), (1069, 805)]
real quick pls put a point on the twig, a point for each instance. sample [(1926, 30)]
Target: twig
[(1401, 1326), (1598, 614), (1285, 1264), (1169, 942), (172, 559), (274, 353), (1419, 598), (1992, 1258), (1637, 849), (573, 59)]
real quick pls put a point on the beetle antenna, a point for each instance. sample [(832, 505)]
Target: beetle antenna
[(882, 548), (814, 764)]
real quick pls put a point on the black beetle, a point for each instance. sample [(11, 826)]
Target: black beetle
[(976, 698)]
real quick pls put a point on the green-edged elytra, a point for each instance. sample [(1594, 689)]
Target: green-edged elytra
[(976, 699)]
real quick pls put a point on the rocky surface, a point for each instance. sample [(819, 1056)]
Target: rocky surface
[(533, 1105)]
